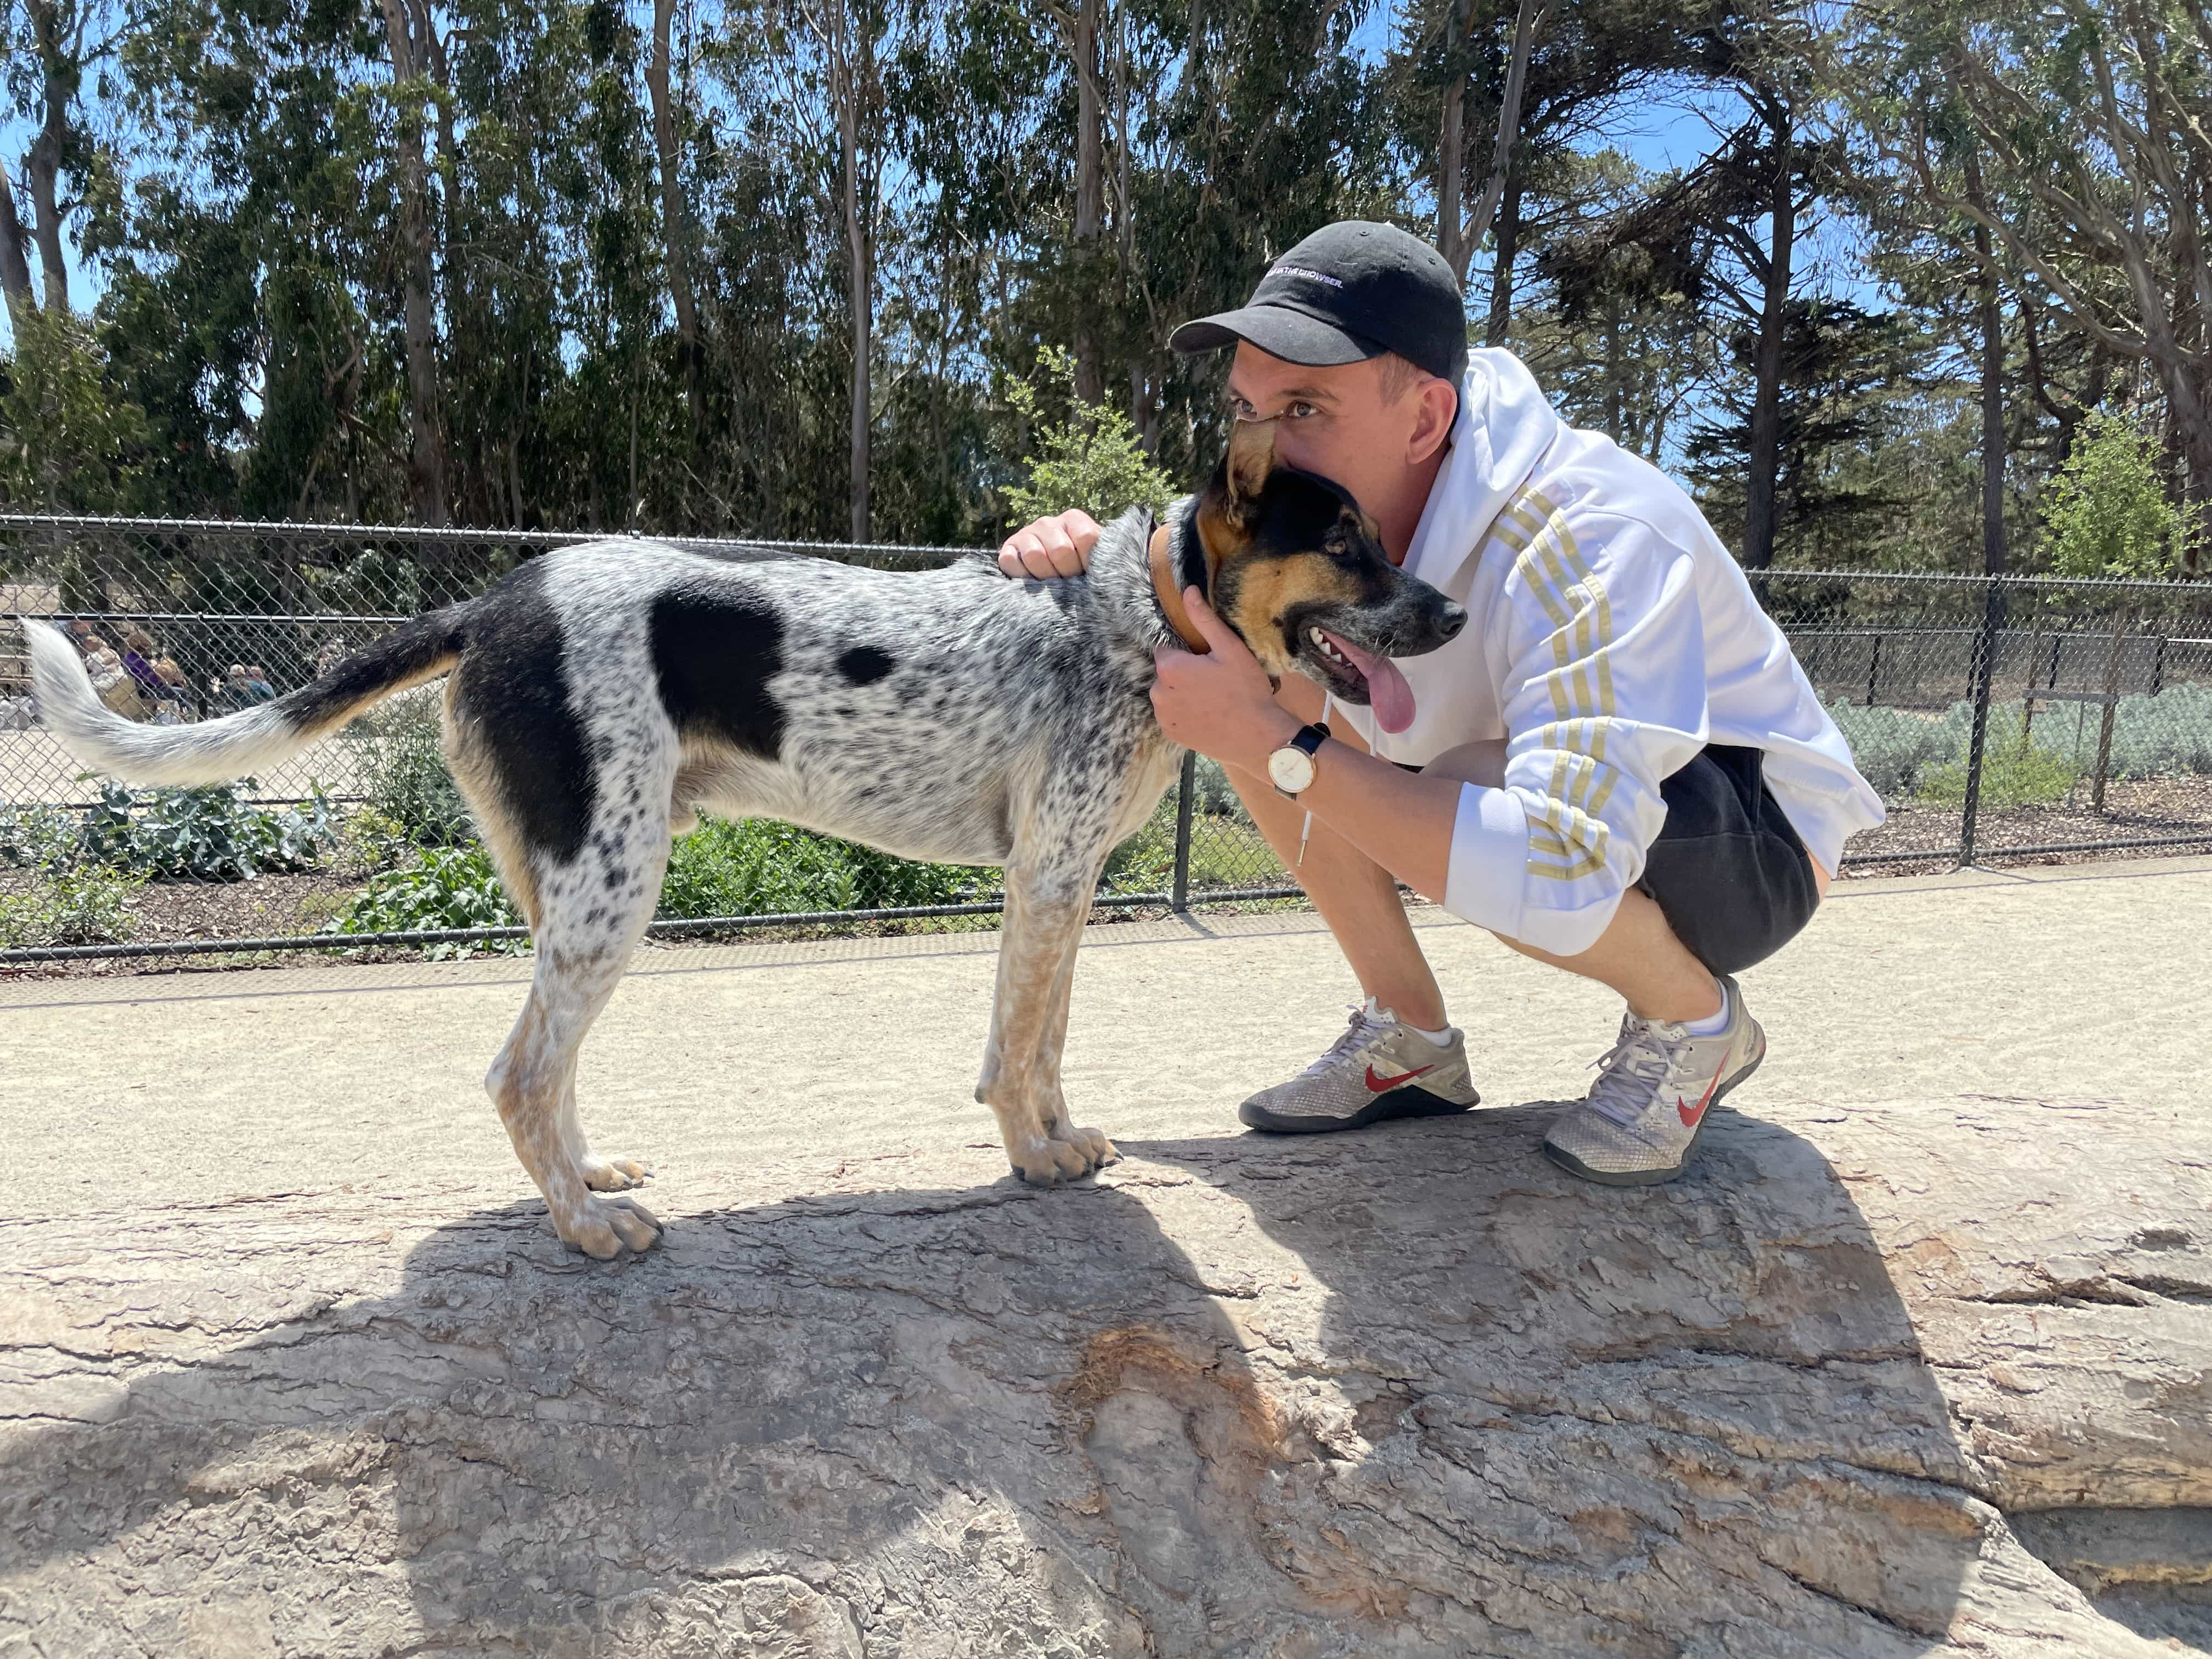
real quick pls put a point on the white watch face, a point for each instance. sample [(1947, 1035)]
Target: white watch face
[(1291, 770)]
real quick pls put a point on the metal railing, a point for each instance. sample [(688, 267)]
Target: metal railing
[(2000, 718)]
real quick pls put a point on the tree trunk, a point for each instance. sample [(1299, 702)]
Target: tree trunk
[(1760, 504), (1506, 228), (1869, 1383), (852, 78), (59, 73), (1451, 143), (674, 228), (427, 444), (1090, 204), (14, 259)]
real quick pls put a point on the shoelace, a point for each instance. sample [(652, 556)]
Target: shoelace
[(1633, 1068), (1366, 1027)]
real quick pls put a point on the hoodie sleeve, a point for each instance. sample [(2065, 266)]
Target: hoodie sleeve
[(1603, 697)]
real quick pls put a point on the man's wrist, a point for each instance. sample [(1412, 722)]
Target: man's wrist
[(1282, 725)]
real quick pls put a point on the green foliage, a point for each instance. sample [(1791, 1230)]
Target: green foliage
[(67, 902), (2015, 771), (1092, 460), (402, 770), (2107, 513), (87, 905), (439, 887), (762, 868), (68, 442), (209, 833), (2166, 736), (1893, 748)]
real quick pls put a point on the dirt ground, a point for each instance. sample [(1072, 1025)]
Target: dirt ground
[(157, 1089)]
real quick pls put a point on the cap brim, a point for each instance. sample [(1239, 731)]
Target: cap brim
[(1278, 331)]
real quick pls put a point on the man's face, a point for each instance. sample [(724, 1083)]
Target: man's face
[(1334, 421)]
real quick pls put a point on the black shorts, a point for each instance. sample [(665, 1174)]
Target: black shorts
[(1728, 871)]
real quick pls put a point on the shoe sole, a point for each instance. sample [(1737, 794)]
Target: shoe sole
[(1383, 1109), (1574, 1165)]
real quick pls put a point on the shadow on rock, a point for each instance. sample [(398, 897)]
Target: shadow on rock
[(1405, 1392)]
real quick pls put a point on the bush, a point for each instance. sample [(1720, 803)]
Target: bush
[(209, 833), (763, 867), (403, 770), (38, 837), (1892, 747), (2166, 736), (1094, 460), (2013, 773), (82, 906), (441, 887)]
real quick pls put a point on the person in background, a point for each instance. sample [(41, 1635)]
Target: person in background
[(257, 688), (138, 654)]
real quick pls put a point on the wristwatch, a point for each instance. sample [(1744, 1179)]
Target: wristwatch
[(1290, 769)]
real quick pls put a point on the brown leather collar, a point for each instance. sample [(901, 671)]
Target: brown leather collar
[(1169, 592)]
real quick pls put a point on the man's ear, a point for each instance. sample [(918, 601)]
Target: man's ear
[(1251, 458)]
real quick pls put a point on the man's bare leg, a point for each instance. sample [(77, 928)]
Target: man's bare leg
[(1638, 955), (1357, 898)]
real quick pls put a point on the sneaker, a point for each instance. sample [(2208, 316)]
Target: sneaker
[(1367, 1076), (1641, 1118)]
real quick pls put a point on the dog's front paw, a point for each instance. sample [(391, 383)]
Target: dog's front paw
[(605, 1227), (1065, 1154), (614, 1174)]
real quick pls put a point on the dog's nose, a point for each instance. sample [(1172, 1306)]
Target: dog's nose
[(1454, 619)]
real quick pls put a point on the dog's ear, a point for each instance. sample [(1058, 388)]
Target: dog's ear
[(1251, 458)]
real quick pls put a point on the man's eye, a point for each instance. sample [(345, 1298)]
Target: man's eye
[(1300, 410)]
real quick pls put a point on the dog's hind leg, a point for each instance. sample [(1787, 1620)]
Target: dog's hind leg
[(1020, 1081), (590, 915)]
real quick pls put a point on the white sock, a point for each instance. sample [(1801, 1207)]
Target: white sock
[(1711, 1025), (1438, 1039)]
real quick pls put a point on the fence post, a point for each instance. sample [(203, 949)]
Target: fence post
[(2120, 621), (1186, 787), (2158, 666), (1986, 663), (1874, 669)]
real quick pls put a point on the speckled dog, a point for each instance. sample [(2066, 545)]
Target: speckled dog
[(602, 695)]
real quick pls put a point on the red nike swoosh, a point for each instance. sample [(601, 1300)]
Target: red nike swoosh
[(1382, 1086), (1691, 1115)]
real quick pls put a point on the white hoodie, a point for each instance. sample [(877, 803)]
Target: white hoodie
[(1610, 637)]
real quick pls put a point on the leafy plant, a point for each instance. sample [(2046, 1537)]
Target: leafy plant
[(2014, 772), (88, 905), (402, 767), (37, 836), (762, 868), (209, 833), (2107, 511), (1093, 459), (441, 887)]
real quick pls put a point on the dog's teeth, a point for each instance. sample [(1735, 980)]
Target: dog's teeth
[(1317, 638)]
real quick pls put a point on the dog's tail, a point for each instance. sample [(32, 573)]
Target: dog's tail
[(217, 751)]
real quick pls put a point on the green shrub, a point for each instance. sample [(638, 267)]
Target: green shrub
[(2014, 773), (38, 837), (2166, 736), (763, 867), (82, 906), (1094, 460), (402, 768), (1894, 747), (441, 887), (209, 833)]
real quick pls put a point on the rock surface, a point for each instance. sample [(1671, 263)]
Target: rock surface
[(1915, 1377)]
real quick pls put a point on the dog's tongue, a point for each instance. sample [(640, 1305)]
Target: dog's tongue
[(1391, 698)]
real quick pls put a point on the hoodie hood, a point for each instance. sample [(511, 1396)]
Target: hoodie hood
[(1504, 428)]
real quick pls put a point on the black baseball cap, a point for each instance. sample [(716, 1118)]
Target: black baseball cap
[(1351, 291)]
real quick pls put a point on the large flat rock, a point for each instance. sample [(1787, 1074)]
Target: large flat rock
[(1921, 1371)]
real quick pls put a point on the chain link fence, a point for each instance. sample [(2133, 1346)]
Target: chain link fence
[(2010, 717)]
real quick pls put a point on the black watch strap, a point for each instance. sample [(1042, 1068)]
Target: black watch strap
[(1308, 737)]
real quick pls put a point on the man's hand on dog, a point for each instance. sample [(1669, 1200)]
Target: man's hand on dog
[(1058, 546), (1221, 704)]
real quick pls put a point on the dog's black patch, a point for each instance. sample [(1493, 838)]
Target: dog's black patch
[(864, 664), (512, 688), (715, 653)]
